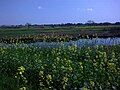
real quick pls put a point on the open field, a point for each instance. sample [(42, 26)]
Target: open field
[(89, 68), (62, 68), (59, 44), (57, 33)]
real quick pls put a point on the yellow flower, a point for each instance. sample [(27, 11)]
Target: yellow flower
[(23, 88), (65, 79), (49, 77), (21, 69)]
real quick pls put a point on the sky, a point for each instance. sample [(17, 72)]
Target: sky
[(58, 11)]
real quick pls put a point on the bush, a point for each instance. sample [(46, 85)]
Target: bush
[(34, 68)]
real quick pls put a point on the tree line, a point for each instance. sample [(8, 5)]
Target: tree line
[(88, 23)]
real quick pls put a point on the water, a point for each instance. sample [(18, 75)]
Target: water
[(79, 43)]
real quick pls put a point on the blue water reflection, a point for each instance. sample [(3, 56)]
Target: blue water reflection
[(80, 42)]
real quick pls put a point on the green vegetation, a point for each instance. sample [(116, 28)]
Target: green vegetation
[(64, 68), (9, 35), (9, 32)]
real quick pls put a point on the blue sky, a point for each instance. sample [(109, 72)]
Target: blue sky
[(58, 11)]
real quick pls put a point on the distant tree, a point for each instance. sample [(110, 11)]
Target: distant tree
[(107, 23), (90, 22), (3, 26), (79, 24), (117, 23), (68, 24), (28, 25)]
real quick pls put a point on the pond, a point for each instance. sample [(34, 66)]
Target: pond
[(79, 43)]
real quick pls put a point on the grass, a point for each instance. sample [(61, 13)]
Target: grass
[(57, 33), (64, 68), (69, 30)]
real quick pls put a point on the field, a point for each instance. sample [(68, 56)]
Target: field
[(32, 34), (62, 68)]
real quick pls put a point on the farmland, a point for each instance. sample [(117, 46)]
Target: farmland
[(59, 44), (89, 68), (57, 33), (62, 68)]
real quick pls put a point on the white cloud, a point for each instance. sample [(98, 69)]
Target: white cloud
[(89, 9), (39, 7)]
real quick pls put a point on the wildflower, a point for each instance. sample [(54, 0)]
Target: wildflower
[(49, 77), (65, 79), (23, 88), (21, 69)]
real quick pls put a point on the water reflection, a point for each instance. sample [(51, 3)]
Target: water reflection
[(79, 43)]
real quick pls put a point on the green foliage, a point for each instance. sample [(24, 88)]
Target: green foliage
[(57, 34), (64, 68)]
